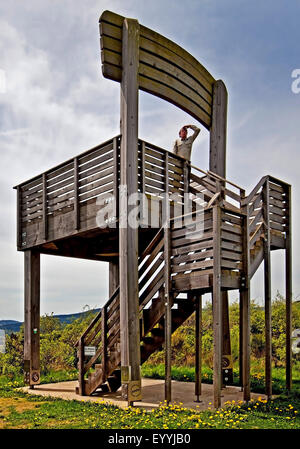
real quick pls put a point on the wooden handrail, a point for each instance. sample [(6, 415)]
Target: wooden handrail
[(98, 316), (148, 249), (249, 197)]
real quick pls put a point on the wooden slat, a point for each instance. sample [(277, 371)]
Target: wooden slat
[(151, 258), (231, 246), (231, 255), (277, 218), (152, 289), (192, 266), (277, 226), (95, 162), (235, 229), (56, 186), (231, 237), (151, 272), (194, 247), (107, 148), (63, 169), (183, 241), (276, 187), (230, 264), (94, 185), (96, 192), (277, 210), (277, 203), (192, 257), (173, 82)]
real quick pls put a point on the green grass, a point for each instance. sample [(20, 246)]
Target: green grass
[(20, 410), (50, 377)]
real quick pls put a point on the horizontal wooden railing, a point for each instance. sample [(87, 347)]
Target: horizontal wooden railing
[(73, 186)]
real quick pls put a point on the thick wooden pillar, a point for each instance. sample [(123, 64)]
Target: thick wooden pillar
[(245, 311), (113, 277), (198, 349), (218, 131), (245, 299), (128, 259), (288, 289), (32, 317), (217, 164), (217, 308), (240, 340), (267, 289), (168, 314), (227, 371)]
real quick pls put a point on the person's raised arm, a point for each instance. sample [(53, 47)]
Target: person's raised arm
[(196, 131)]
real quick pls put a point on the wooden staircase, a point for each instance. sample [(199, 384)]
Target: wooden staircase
[(258, 218)]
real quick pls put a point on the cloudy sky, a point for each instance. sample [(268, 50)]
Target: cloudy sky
[(54, 104)]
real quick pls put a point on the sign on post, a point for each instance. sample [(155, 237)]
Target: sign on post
[(90, 351)]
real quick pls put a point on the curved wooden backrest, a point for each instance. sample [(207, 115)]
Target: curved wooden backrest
[(165, 69)]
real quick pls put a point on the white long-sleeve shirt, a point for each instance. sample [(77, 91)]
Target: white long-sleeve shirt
[(183, 147)]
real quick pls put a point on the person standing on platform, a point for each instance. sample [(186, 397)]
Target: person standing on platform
[(183, 145)]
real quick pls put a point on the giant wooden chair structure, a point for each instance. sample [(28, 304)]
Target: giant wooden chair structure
[(157, 274)]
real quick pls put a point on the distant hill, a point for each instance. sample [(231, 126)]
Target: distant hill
[(10, 326)]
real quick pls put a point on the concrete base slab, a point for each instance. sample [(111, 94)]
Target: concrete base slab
[(152, 391)]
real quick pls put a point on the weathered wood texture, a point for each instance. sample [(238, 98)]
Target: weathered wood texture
[(267, 288), (245, 308), (198, 348), (288, 287), (165, 69), (97, 171), (217, 308), (218, 131), (128, 234), (168, 317), (32, 316)]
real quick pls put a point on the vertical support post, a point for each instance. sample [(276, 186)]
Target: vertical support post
[(227, 371), (288, 287), (168, 285), (217, 164), (241, 314), (143, 187), (242, 196), (217, 307), (218, 131), (81, 367), (168, 314), (113, 277), (186, 176), (128, 235), (76, 196), (45, 216), (245, 309), (104, 342), (198, 352), (32, 317), (116, 179), (267, 288), (19, 218)]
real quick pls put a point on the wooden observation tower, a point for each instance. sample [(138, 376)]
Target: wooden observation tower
[(163, 258)]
